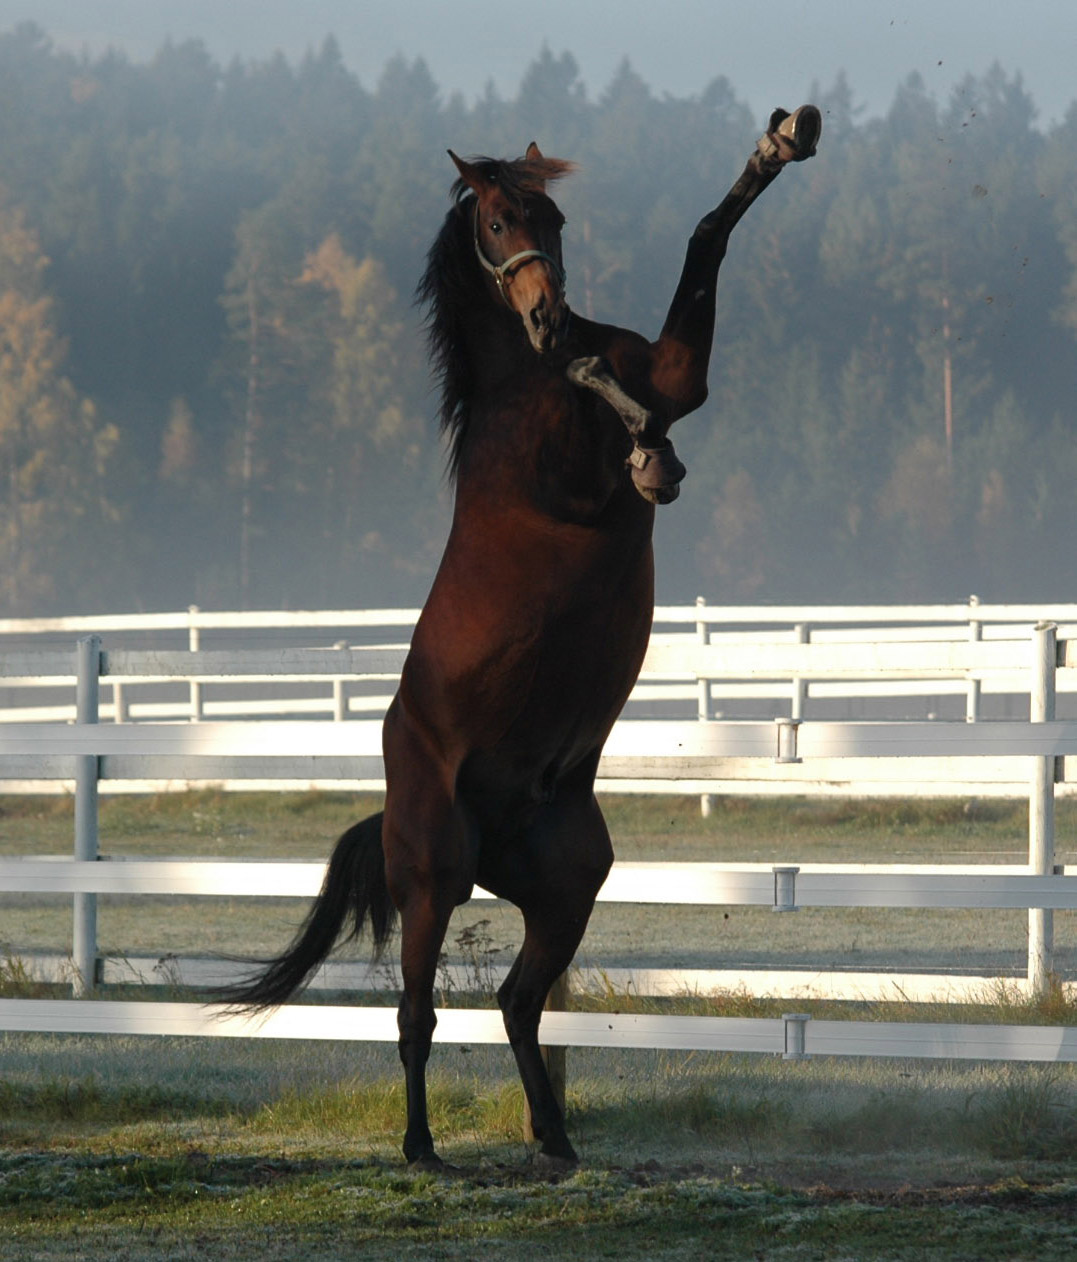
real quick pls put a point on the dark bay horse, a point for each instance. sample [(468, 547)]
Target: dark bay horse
[(536, 625)]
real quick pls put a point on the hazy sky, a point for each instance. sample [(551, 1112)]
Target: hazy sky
[(772, 53)]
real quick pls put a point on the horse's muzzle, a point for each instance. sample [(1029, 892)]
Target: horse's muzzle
[(546, 324)]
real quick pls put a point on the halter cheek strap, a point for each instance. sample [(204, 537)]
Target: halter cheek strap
[(502, 272)]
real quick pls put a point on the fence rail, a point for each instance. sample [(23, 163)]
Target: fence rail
[(793, 1036), (737, 675), (704, 755)]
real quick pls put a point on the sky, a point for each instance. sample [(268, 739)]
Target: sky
[(772, 54)]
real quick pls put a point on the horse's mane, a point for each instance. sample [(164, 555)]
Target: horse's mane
[(450, 283)]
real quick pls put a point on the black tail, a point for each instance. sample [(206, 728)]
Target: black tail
[(355, 890)]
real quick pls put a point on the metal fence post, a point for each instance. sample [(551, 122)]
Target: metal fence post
[(785, 889), (796, 1035), (84, 928), (1041, 808)]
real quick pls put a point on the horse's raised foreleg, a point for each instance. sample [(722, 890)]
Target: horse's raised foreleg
[(681, 355), (656, 471)]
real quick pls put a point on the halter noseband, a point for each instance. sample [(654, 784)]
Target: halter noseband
[(502, 272)]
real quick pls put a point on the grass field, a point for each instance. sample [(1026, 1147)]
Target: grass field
[(169, 1148)]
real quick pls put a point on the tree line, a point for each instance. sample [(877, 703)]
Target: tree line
[(214, 386)]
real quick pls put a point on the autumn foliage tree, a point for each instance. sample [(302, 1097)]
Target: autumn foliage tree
[(53, 452)]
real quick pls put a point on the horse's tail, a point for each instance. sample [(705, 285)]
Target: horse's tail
[(354, 890)]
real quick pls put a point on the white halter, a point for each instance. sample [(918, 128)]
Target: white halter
[(501, 272)]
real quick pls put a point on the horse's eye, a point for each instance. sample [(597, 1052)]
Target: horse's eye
[(495, 228)]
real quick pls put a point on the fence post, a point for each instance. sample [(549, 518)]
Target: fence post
[(974, 686), (796, 1035), (194, 643), (1041, 808), (84, 927), (703, 699), (800, 684), (555, 1058), (340, 695)]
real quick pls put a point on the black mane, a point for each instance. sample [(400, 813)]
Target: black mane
[(450, 284), (448, 279)]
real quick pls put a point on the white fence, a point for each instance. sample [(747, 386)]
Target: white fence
[(704, 755), (740, 680)]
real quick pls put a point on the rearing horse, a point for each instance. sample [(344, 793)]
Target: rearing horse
[(535, 628)]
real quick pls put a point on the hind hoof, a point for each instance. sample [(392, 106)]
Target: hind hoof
[(552, 1166), (433, 1164)]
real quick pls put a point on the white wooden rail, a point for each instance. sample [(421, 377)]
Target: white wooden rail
[(793, 1036), (650, 752), (750, 628), (956, 618)]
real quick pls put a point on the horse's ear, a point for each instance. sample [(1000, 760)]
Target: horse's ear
[(534, 154), (468, 173)]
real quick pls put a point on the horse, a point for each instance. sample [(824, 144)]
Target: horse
[(535, 627)]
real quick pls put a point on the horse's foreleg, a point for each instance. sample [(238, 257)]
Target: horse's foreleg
[(656, 471), (682, 352)]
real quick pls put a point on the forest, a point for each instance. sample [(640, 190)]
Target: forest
[(214, 385)]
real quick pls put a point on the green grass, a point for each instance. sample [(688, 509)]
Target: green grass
[(685, 1156)]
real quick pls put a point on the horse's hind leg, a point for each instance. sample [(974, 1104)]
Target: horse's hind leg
[(546, 953), (423, 923), (656, 471), (554, 878), (430, 867)]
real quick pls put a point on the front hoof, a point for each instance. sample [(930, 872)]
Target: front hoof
[(657, 472), (792, 137), (659, 494)]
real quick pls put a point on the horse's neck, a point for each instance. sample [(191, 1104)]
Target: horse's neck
[(531, 437), (496, 346)]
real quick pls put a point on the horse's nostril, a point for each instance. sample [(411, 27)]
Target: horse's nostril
[(536, 317)]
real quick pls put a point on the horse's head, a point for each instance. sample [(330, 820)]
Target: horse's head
[(517, 231)]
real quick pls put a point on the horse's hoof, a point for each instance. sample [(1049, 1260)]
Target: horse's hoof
[(792, 137), (657, 472), (659, 494), (433, 1164), (551, 1165)]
